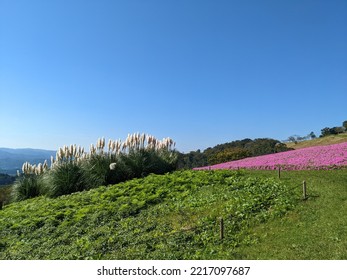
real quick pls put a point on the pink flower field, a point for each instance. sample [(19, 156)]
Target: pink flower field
[(319, 157)]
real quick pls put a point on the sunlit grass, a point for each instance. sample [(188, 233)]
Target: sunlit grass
[(315, 229)]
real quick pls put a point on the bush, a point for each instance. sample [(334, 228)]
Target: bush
[(64, 178), (97, 171), (141, 163), (134, 164), (121, 171), (27, 186)]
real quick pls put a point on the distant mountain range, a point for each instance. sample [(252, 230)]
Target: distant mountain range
[(12, 160)]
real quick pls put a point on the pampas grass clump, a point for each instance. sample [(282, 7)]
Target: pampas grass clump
[(27, 186), (74, 170), (64, 178)]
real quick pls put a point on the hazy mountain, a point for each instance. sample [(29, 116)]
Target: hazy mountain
[(12, 160)]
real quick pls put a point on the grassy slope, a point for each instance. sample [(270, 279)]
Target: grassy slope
[(316, 229), (176, 217), (328, 140)]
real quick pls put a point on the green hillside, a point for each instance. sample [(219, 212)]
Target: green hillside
[(321, 141), (177, 216)]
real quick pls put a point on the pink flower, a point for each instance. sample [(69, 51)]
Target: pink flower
[(318, 157)]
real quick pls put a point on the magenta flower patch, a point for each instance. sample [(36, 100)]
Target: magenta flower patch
[(319, 157)]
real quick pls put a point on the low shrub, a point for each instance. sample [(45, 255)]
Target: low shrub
[(64, 178), (27, 186), (143, 162)]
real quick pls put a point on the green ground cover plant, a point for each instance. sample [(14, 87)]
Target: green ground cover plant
[(171, 216)]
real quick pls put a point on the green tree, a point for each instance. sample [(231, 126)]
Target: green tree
[(325, 132), (280, 147), (344, 124), (229, 154), (262, 146), (312, 135), (337, 130), (292, 139), (191, 160)]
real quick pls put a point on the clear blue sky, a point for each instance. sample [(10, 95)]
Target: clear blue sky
[(200, 72)]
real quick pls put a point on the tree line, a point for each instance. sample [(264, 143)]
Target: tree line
[(234, 150), (334, 130), (326, 131)]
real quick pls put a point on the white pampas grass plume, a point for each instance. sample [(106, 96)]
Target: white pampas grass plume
[(45, 166), (71, 150), (32, 169), (118, 146), (102, 142), (124, 146), (24, 167), (142, 140), (92, 149), (109, 145), (80, 150), (61, 154), (52, 161), (39, 169), (65, 151)]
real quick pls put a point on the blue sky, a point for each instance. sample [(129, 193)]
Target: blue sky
[(200, 72)]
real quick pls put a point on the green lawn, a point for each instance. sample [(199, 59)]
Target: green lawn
[(315, 229)]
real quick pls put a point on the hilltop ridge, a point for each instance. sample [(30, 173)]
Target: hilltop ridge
[(321, 141)]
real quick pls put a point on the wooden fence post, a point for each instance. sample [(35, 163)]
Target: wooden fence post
[(304, 192), (221, 228), (279, 172)]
